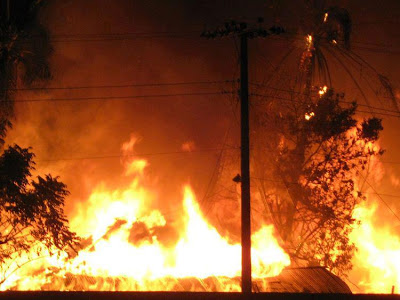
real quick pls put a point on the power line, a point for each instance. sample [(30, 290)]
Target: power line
[(153, 84), (102, 37), (112, 36), (131, 97), (289, 182), (375, 192), (127, 38), (384, 195), (111, 156), (300, 93), (395, 114), (385, 112), (380, 197), (373, 47), (391, 162)]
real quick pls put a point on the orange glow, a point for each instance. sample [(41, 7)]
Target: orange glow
[(188, 146), (134, 243), (308, 116), (377, 261), (325, 17), (322, 91), (130, 244), (309, 41)]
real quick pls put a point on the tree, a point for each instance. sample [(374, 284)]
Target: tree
[(31, 212), (308, 162), (308, 146), (24, 53), (305, 175), (32, 219), (327, 32), (321, 146)]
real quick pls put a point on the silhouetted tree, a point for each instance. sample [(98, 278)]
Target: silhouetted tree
[(24, 52), (309, 161), (305, 175), (307, 149), (32, 219), (31, 212)]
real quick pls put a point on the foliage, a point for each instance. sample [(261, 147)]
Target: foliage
[(308, 151), (31, 211), (24, 53), (32, 218), (315, 155)]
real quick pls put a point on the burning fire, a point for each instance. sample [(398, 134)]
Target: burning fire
[(131, 246), (377, 261), (322, 90)]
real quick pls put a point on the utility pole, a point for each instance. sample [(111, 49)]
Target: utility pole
[(245, 33), (8, 10), (245, 167)]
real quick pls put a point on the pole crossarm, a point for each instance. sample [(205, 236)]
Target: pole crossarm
[(242, 28)]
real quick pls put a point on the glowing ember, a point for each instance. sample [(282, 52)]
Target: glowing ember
[(309, 41), (325, 17), (308, 116), (322, 91)]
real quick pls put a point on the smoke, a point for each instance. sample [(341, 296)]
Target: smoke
[(81, 140), (93, 46)]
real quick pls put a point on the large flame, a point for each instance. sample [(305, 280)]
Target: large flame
[(132, 245), (135, 248), (377, 261)]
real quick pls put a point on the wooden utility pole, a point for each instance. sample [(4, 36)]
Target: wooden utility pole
[(8, 10), (245, 167), (242, 30)]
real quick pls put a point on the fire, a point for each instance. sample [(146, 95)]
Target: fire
[(322, 90), (325, 17), (309, 42), (133, 245), (376, 263), (308, 116)]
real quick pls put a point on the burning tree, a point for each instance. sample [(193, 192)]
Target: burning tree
[(309, 159), (308, 146), (305, 173), (319, 146)]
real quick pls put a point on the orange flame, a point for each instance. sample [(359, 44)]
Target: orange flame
[(130, 241), (377, 261)]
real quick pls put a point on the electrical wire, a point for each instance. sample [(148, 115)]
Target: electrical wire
[(383, 201), (192, 35), (131, 97), (151, 84), (112, 156), (374, 193), (394, 114)]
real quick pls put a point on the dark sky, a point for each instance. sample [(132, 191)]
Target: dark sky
[(109, 43)]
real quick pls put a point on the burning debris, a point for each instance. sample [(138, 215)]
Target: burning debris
[(129, 246)]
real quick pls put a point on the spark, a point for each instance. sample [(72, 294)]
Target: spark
[(325, 17), (309, 40), (322, 91), (308, 116)]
